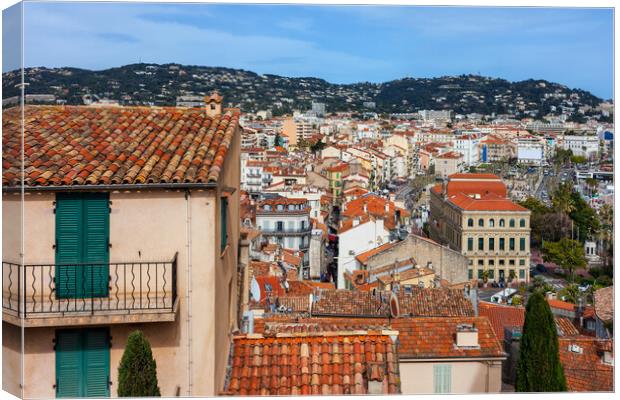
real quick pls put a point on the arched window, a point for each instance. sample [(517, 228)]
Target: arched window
[(522, 223), (512, 222), (480, 222), (502, 223), (491, 223), (470, 222)]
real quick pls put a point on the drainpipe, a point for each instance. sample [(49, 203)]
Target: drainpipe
[(188, 289)]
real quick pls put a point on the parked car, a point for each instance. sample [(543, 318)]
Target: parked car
[(541, 268)]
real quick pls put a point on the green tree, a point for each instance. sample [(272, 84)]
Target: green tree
[(539, 368), (137, 372), (586, 221), (567, 253), (317, 146), (570, 293), (562, 199)]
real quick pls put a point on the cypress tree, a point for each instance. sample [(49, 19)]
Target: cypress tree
[(539, 368), (137, 372)]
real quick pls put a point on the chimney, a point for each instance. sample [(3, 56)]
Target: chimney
[(444, 187), (466, 335), (387, 207), (365, 208), (356, 221), (213, 104)]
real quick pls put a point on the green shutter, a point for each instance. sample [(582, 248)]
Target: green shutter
[(442, 378), (82, 236), (69, 364), (97, 363), (69, 222), (82, 363), (96, 233)]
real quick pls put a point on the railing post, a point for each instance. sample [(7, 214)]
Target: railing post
[(19, 290), (92, 291), (174, 279)]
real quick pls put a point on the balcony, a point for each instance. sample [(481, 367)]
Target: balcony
[(287, 232), (36, 295)]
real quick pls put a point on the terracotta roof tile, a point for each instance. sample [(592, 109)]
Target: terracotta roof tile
[(305, 363), (585, 370), (352, 303), (604, 303), (502, 316), (78, 145), (435, 302), (433, 337)]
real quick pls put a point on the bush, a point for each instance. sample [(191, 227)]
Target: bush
[(137, 372)]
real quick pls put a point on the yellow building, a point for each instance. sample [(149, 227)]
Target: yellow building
[(335, 175), (471, 214)]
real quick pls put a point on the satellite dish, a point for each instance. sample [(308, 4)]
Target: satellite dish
[(394, 306)]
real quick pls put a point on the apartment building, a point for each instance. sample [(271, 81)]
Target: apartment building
[(581, 145), (286, 222), (297, 129), (472, 214), (530, 150), (128, 220)]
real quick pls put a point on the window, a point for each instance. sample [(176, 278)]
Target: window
[(522, 222), (470, 274), (492, 223), (480, 263), (502, 223), (470, 244), (491, 244), (502, 244), (491, 274), (470, 222), (480, 243), (223, 224), (511, 245), (480, 273), (521, 262), (279, 226), (521, 274), (522, 244), (512, 223), (502, 262), (491, 263), (480, 222), (511, 262)]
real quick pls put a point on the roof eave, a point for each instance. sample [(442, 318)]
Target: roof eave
[(110, 187)]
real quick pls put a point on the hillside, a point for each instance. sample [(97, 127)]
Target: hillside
[(152, 84)]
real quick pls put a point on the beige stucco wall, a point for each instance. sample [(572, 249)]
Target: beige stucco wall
[(467, 376), (148, 226)]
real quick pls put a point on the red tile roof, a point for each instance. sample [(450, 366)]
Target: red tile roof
[(312, 364), (363, 257), (585, 371), (79, 145), (434, 302), (435, 337), (502, 316), (604, 303), (473, 176), (352, 303)]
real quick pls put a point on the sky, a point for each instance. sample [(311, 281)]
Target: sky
[(342, 44)]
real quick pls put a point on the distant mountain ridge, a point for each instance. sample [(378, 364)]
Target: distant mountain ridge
[(154, 84)]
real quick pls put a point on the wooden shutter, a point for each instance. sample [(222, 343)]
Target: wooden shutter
[(96, 363), (69, 364), (69, 221), (96, 234)]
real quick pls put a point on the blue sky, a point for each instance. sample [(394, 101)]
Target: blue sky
[(341, 44)]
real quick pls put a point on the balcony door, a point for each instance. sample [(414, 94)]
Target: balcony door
[(82, 245), (83, 363)]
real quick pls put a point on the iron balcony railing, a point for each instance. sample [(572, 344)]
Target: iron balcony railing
[(40, 290), (287, 232)]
